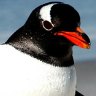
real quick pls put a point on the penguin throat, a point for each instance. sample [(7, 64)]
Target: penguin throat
[(37, 52)]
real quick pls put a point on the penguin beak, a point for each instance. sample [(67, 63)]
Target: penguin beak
[(78, 37)]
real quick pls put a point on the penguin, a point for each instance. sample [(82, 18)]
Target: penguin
[(37, 59)]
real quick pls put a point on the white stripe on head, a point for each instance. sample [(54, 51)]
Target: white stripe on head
[(45, 12)]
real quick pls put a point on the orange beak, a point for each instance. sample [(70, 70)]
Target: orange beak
[(78, 38)]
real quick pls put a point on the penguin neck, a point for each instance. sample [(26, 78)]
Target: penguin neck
[(29, 45)]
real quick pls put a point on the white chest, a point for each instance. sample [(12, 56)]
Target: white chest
[(22, 75)]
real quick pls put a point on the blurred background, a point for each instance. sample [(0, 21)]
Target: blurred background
[(13, 14)]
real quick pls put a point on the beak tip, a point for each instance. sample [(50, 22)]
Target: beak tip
[(87, 46)]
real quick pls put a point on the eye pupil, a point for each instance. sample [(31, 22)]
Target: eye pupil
[(47, 25)]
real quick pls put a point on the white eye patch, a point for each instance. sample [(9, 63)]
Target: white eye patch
[(45, 12)]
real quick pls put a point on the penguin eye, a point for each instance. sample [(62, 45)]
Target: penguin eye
[(47, 25)]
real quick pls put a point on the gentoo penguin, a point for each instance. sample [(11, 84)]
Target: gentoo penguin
[(37, 59)]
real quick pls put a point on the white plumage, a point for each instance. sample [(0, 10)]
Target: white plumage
[(23, 75), (46, 9)]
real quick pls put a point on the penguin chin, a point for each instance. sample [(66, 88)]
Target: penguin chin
[(57, 50), (58, 53), (57, 46)]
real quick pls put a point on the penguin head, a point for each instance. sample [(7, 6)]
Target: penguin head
[(57, 25)]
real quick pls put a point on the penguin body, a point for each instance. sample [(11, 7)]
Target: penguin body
[(23, 75), (37, 59)]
